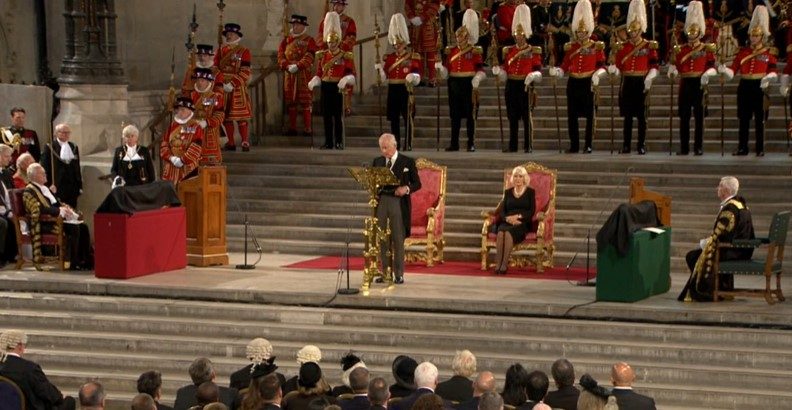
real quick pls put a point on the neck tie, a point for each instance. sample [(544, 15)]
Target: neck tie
[(388, 163)]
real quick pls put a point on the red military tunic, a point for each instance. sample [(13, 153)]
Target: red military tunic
[(397, 67), (753, 64), (209, 107), (348, 38), (28, 142), (582, 59), (423, 38), (693, 61), (234, 62), (636, 59), (465, 62), (189, 82), (519, 62), (183, 141), (332, 66), (297, 50), (504, 17)]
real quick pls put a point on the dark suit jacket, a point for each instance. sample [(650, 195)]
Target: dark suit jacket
[(270, 406), (39, 392), (564, 398), (355, 403), (185, 397), (68, 177), (630, 400), (240, 379), (457, 388), (528, 405), (406, 403), (377, 407), (300, 402), (471, 404), (161, 406), (341, 389), (405, 171), (397, 390)]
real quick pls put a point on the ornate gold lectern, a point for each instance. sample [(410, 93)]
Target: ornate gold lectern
[(204, 197), (372, 179)]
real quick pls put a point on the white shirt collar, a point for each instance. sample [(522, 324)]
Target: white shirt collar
[(622, 388), (393, 158), (725, 201), (46, 192)]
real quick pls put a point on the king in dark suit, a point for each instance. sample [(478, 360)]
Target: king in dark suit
[(394, 204), (64, 156)]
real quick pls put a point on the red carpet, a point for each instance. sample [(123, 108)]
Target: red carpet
[(452, 268)]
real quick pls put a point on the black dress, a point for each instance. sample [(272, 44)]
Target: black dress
[(137, 171), (525, 206)]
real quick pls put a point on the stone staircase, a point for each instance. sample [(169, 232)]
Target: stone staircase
[(303, 201), (114, 339)]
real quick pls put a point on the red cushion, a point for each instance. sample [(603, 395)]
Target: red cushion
[(426, 197)]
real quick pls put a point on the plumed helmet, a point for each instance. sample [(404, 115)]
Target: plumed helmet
[(397, 30), (521, 24), (694, 19), (760, 22), (583, 17), (470, 26), (636, 16), (309, 353), (332, 27), (258, 350)]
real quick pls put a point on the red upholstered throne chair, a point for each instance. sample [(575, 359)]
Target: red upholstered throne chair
[(426, 242), (24, 236), (537, 248)]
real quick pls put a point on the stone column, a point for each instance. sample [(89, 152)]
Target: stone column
[(93, 90)]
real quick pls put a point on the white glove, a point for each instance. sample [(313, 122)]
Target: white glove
[(533, 77), (595, 78), (314, 82), (118, 182), (613, 70), (477, 79), (767, 79), (228, 87), (413, 78), (555, 72), (442, 8), (442, 70), (380, 72), (416, 21), (293, 68), (176, 161), (672, 72), (784, 88), (703, 243), (706, 76), (496, 70), (650, 76), (347, 80), (726, 71), (202, 123)]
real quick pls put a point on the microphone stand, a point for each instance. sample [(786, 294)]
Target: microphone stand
[(246, 266), (348, 290)]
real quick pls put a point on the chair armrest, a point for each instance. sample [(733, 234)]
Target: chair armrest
[(749, 243)]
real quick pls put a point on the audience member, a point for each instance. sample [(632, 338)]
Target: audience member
[(308, 353), (612, 404), (403, 369), (359, 382), (425, 377), (429, 402), (542, 406), (321, 403), (622, 377), (349, 363), (8, 245), (514, 386), (257, 351), (92, 396), (151, 383), (593, 396), (491, 401), (201, 371), (311, 385), (270, 392), (459, 387), (28, 141), (207, 393), (252, 399), (485, 382), (535, 389), (39, 392), (378, 394), (20, 177), (566, 396), (143, 401), (215, 406)]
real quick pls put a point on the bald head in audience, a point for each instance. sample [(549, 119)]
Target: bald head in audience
[(378, 392), (92, 396), (622, 375), (143, 401), (485, 382), (491, 401), (207, 393)]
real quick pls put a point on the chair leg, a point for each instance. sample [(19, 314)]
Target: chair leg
[(430, 252), (779, 293), (716, 282), (768, 293)]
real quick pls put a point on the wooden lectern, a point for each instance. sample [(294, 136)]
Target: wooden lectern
[(204, 197), (638, 193)]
